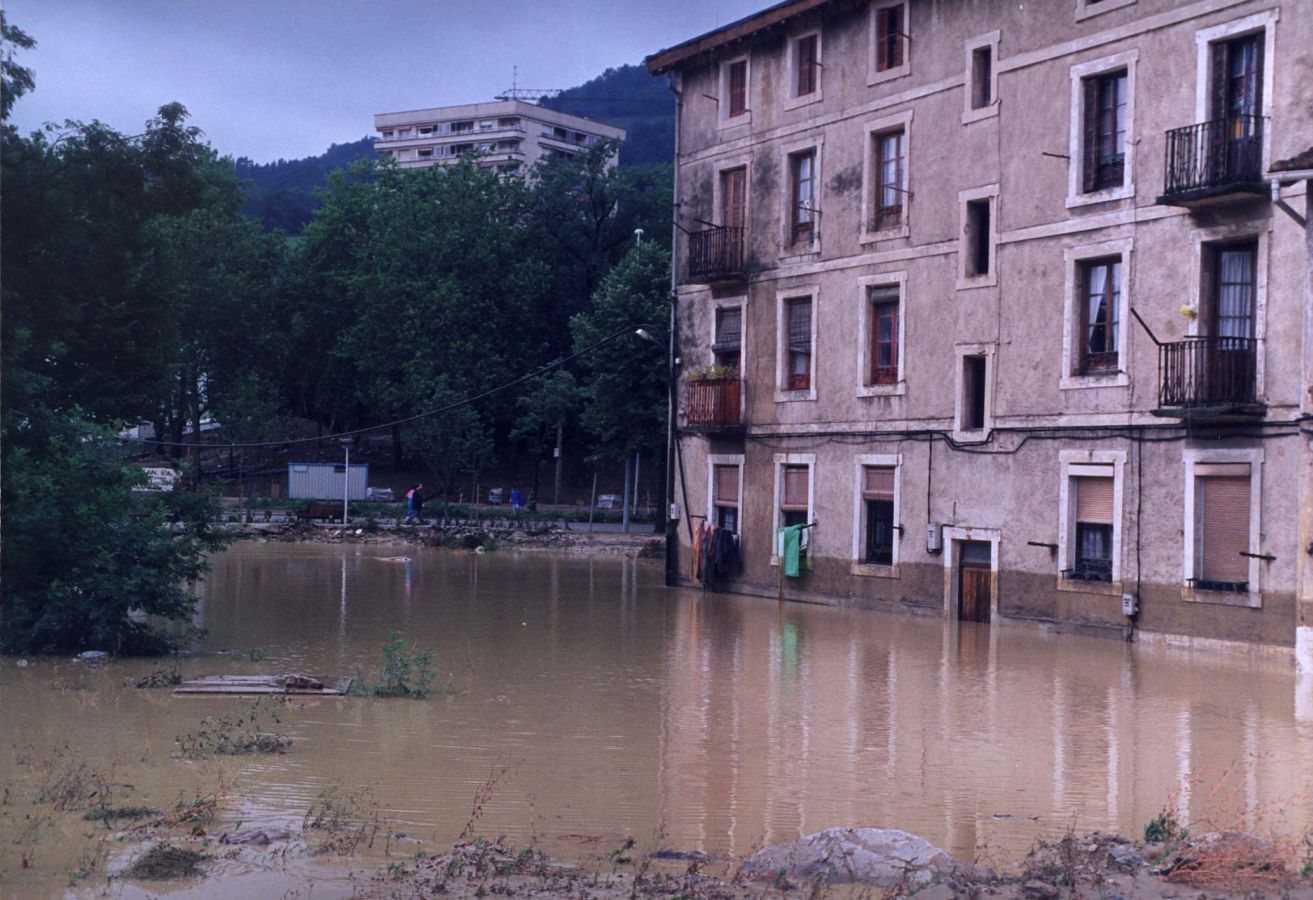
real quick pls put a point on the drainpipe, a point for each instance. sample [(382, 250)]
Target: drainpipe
[(671, 514)]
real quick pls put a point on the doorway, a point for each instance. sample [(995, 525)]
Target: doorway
[(975, 581)]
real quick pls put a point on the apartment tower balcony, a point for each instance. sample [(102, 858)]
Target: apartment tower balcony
[(1208, 377), (716, 255), (1215, 161), (714, 405)]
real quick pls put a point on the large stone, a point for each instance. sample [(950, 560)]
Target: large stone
[(876, 856)]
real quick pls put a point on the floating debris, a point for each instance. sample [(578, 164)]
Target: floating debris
[(265, 684)]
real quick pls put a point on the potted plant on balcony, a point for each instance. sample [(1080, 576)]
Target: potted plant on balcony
[(713, 372)]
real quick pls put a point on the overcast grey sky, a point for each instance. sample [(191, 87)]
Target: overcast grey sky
[(286, 78)]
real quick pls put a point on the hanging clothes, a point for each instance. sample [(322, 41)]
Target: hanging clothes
[(695, 551), (726, 562), (791, 549)]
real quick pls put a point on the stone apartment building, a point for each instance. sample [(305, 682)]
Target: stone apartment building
[(509, 135), (1002, 300)]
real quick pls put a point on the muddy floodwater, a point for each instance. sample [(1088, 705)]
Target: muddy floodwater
[(588, 703)]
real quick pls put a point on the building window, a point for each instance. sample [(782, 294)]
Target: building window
[(795, 495), (798, 350), (982, 77), (1092, 552), (802, 171), (890, 170), (1236, 91), (978, 237), (884, 302), (387, 135), (725, 496), (1104, 157), (1232, 269), (508, 123), (890, 37), (975, 392), (878, 503), (1221, 532), (1100, 303), (737, 83), (808, 66), (424, 152), (462, 127), (728, 345)]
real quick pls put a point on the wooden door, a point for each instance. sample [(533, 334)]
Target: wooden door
[(733, 197), (975, 583)]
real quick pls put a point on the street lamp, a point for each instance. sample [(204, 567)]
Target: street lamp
[(672, 562), (346, 479)]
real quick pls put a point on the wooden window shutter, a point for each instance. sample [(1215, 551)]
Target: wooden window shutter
[(800, 325), (1094, 501), (729, 329), (795, 488), (878, 483), (881, 39), (1222, 508), (806, 65), (1090, 133), (1221, 59), (727, 485)]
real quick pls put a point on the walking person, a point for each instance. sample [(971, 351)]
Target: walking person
[(517, 501), (410, 505), (418, 499)]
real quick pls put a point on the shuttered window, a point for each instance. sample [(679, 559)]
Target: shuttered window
[(729, 328), (806, 65), (1094, 500), (1222, 525), (1091, 550), (1104, 131), (884, 335), (727, 485), (795, 489), (799, 349), (738, 88), (878, 483)]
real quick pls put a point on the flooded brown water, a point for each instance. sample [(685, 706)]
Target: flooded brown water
[(616, 707)]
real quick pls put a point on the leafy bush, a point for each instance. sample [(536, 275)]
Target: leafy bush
[(404, 673)]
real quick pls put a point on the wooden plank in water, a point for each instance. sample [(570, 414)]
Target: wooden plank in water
[(260, 684)]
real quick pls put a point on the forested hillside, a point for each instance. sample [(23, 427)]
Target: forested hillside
[(282, 194)]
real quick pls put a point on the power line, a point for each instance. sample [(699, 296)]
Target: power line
[(529, 376)]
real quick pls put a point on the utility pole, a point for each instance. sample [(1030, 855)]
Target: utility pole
[(346, 479)]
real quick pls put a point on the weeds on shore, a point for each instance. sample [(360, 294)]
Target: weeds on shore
[(235, 735), (343, 820)]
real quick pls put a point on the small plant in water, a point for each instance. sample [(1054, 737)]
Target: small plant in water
[(233, 735), (1164, 829), (404, 673)]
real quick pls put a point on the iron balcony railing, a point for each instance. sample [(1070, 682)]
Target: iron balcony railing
[(1212, 157), (715, 254), (715, 403), (1208, 372)]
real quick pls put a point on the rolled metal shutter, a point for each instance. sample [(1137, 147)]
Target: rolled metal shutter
[(1094, 501), (878, 483), (727, 485), (795, 488)]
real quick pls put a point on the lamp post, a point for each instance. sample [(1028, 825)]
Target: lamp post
[(346, 479), (672, 561)]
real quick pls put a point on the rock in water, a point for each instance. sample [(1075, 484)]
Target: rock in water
[(882, 857)]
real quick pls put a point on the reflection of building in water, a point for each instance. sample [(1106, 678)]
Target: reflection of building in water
[(776, 726)]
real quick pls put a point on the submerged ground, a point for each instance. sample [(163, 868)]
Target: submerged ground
[(580, 703)]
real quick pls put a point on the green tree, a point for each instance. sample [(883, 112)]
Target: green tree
[(15, 80), (544, 412)]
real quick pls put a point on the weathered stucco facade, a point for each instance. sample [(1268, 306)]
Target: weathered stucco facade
[(1012, 290)]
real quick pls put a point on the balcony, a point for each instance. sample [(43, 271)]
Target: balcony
[(1213, 377), (715, 254), (714, 405), (1215, 161)]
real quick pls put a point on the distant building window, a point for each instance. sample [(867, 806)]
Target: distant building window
[(738, 88), (1222, 523), (1105, 131), (795, 496), (728, 346), (1092, 556), (798, 352), (425, 130), (982, 70), (403, 133), (425, 152), (725, 496), (878, 500), (807, 64), (1100, 298), (461, 127), (387, 135), (508, 123), (978, 237), (889, 37), (884, 302), (890, 162), (802, 170), (975, 388)]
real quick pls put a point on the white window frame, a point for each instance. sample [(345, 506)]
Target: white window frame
[(872, 128), (860, 462), (792, 99), (780, 460), (964, 281), (723, 459), (722, 115), (953, 537), (970, 114), (1265, 22), (1087, 8), (788, 249), (1073, 258), (873, 75), (1098, 464), (1201, 457), (864, 325), (782, 296), (1202, 239), (961, 351), (1076, 130)]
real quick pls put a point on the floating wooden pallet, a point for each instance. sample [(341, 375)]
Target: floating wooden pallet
[(260, 684)]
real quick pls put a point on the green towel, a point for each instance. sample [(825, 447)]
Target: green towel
[(791, 537)]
